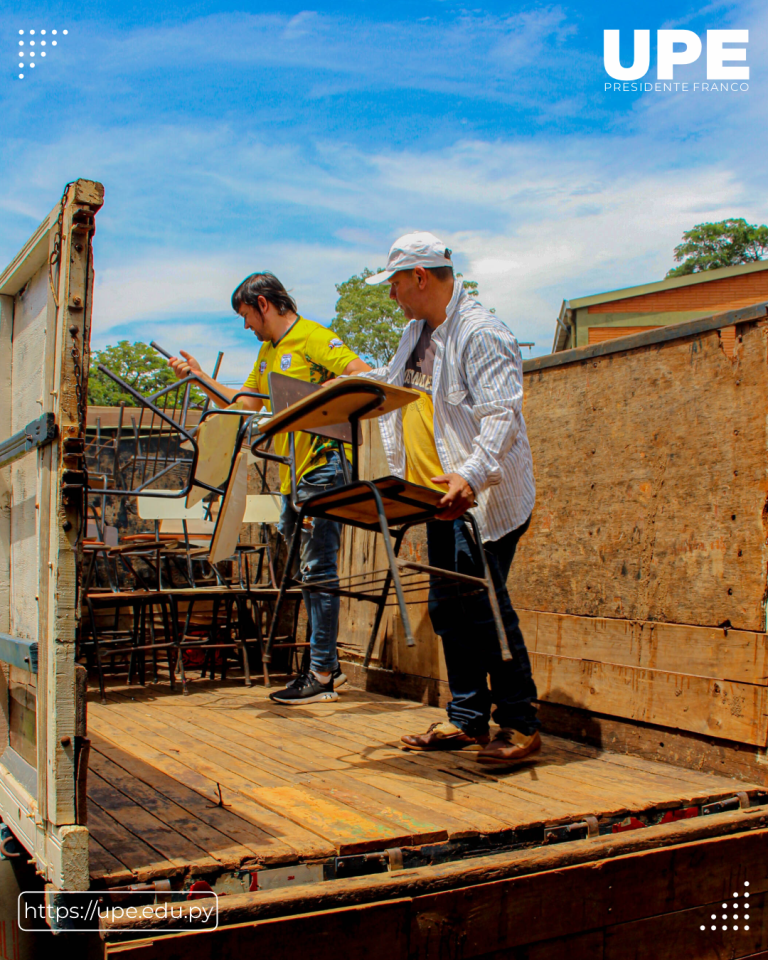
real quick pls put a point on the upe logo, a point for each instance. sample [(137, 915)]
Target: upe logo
[(688, 50)]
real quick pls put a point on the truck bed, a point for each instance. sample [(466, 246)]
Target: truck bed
[(224, 785)]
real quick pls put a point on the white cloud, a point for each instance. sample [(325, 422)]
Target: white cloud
[(534, 223), (194, 204)]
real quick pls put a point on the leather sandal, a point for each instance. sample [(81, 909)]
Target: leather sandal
[(509, 746), (443, 736)]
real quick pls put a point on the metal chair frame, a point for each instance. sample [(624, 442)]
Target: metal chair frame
[(360, 490)]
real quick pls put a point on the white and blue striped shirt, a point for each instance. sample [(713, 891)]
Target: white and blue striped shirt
[(477, 392)]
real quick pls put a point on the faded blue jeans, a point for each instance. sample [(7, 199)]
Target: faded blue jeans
[(318, 560), (468, 631)]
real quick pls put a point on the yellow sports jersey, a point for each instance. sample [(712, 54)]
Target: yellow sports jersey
[(307, 351), (421, 458)]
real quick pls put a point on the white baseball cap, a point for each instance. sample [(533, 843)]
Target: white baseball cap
[(414, 250)]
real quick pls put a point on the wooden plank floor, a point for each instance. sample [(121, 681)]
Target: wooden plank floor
[(304, 783)]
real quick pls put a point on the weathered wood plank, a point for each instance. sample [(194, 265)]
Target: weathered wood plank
[(375, 932), (236, 748), (102, 863), (734, 711), (196, 829), (629, 896), (234, 776), (736, 655), (250, 840), (650, 484), (142, 860), (28, 261), (171, 843), (266, 847), (733, 843)]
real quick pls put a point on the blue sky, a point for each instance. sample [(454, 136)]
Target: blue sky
[(305, 139)]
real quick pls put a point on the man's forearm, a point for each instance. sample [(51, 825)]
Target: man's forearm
[(214, 390), (223, 396)]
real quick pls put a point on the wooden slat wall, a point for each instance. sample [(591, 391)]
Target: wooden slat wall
[(640, 584), (650, 468)]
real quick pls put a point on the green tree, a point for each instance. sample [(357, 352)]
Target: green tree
[(136, 363), (709, 246), (368, 321)]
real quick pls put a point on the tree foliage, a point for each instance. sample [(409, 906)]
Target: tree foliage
[(368, 321), (709, 246), (136, 363)]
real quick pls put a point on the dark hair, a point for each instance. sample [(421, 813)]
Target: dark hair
[(263, 285), (442, 273)]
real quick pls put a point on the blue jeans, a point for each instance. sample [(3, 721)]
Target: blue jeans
[(465, 625), (318, 560)]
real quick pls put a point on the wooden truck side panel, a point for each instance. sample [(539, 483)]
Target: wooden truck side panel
[(46, 298), (629, 895)]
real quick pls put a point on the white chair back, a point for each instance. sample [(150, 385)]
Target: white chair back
[(168, 508), (263, 508)]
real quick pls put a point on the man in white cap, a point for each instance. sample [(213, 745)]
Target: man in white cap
[(466, 435)]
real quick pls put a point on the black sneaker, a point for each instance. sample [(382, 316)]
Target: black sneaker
[(305, 689), (339, 678)]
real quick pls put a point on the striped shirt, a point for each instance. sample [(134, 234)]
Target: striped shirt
[(477, 391)]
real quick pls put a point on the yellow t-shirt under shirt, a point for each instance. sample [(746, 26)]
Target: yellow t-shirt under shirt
[(421, 459), (307, 351)]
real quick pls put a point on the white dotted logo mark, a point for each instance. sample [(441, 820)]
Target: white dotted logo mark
[(32, 43), (735, 908)]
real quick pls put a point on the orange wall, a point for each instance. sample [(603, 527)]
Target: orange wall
[(730, 293)]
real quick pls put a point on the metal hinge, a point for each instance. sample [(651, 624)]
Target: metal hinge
[(741, 800), (588, 827), (35, 434)]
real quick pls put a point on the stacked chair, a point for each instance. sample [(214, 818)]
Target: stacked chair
[(187, 590)]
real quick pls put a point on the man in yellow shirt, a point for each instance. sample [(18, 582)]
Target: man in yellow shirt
[(300, 348)]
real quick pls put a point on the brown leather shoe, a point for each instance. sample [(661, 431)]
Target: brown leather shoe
[(443, 736), (509, 746)]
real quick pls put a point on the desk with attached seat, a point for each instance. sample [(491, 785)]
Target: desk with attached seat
[(334, 411)]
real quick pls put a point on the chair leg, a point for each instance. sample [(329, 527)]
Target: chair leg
[(153, 639), (228, 635), (243, 642), (506, 653), (179, 641), (97, 650), (384, 595), (384, 526), (138, 611), (169, 639), (266, 653), (141, 643)]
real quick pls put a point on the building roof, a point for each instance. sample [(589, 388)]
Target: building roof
[(670, 283)]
